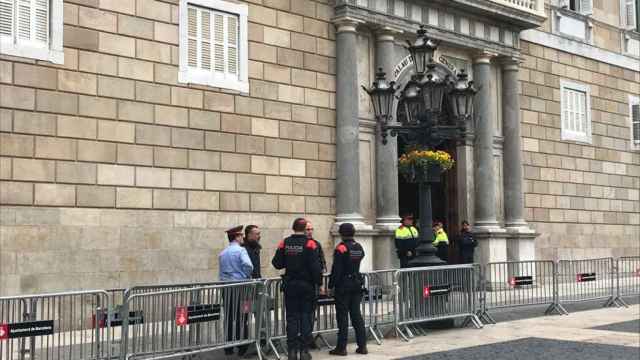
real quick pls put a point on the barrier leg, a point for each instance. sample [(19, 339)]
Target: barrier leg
[(272, 347), (401, 334), (557, 307), (375, 336), (326, 343), (485, 318)]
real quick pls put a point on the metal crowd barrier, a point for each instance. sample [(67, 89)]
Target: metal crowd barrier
[(518, 283), (55, 326), (627, 278), (381, 301), (191, 321), (586, 280), (435, 293)]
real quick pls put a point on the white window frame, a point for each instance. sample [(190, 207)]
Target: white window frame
[(633, 100), (195, 76), (580, 8), (53, 52), (566, 134)]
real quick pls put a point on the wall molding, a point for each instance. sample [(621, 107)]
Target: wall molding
[(581, 49)]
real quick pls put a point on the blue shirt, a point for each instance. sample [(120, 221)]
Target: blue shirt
[(235, 263)]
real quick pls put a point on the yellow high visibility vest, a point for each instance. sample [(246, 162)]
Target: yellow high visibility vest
[(441, 237), (406, 232)]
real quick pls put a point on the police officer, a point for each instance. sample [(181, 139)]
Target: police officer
[(298, 256), (320, 291), (406, 240), (347, 283), (441, 241), (467, 243)]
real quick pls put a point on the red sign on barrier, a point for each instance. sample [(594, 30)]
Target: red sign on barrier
[(182, 316), (246, 307), (426, 292), (585, 277), (4, 331)]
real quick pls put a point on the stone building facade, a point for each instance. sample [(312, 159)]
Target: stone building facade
[(119, 165)]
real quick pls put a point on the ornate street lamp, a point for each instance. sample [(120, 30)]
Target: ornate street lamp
[(422, 50), (421, 125)]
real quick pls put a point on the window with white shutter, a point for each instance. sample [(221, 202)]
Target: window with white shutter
[(629, 14), (582, 6), (32, 28), (576, 112), (213, 44), (634, 121)]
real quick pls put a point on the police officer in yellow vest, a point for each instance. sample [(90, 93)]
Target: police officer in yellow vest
[(406, 240), (441, 241)]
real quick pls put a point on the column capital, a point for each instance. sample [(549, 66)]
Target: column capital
[(511, 63), (483, 57), (346, 24), (386, 33)]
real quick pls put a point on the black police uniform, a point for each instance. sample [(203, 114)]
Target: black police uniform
[(298, 256), (347, 283), (253, 250), (467, 246)]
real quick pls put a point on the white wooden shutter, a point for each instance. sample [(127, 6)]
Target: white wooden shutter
[(219, 42), (41, 20), (635, 123), (586, 7), (192, 37), (6, 18), (232, 44), (205, 39), (24, 20), (630, 14)]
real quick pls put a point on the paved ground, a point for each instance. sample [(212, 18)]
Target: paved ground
[(550, 337)]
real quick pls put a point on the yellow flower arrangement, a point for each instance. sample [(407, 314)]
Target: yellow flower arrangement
[(421, 159)]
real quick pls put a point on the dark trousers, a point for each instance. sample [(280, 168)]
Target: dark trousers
[(404, 261), (237, 319), (443, 252), (298, 304), (348, 305), (466, 256)]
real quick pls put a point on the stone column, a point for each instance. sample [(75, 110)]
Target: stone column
[(520, 245), (386, 155), (491, 237), (347, 124), (387, 219), (347, 138)]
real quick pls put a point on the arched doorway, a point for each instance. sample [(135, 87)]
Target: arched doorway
[(444, 195)]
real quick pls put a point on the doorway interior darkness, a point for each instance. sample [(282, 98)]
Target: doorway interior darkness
[(443, 197)]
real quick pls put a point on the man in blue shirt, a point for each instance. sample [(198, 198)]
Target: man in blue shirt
[(235, 265), (234, 261)]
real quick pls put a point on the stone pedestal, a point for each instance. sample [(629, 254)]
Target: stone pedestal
[(492, 244), (521, 244), (384, 256), (365, 236)]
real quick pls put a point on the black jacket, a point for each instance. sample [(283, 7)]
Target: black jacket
[(323, 261), (467, 242), (298, 256), (253, 249), (345, 272)]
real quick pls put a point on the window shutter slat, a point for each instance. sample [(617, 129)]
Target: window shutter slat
[(232, 44), (192, 34), (205, 36), (586, 7), (218, 38), (635, 122), (24, 19), (630, 14), (42, 20), (6, 17)]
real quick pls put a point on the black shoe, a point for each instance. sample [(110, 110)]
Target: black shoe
[(304, 355), (362, 350), (338, 352)]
